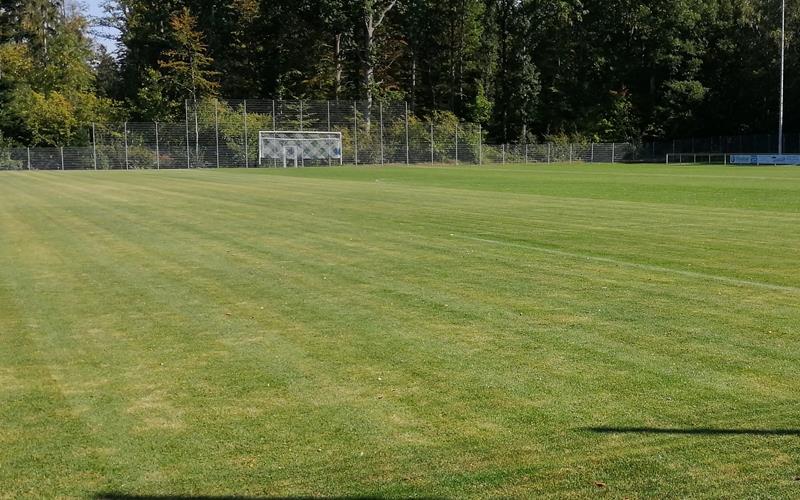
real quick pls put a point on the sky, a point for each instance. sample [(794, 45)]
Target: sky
[(93, 8)]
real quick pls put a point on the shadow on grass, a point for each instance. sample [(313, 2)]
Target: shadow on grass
[(125, 496), (702, 431)]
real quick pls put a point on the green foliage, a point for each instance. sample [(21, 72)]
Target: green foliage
[(480, 111), (47, 91), (55, 118), (619, 124), (153, 100), (607, 69), (186, 65), (183, 73), (6, 161), (67, 65)]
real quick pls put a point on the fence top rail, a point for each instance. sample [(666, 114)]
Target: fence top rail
[(298, 132)]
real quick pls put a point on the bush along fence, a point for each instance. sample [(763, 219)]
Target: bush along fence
[(217, 134)]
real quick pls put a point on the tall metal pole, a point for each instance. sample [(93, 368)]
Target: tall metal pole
[(196, 131), (158, 151), (480, 144), (783, 68), (456, 143), (408, 153), (246, 154), (188, 153), (341, 155), (216, 129), (355, 131), (432, 153), (382, 148), (125, 134), (94, 145)]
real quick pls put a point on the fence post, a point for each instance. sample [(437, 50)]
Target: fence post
[(341, 155), (62, 157), (246, 152), (158, 151), (504, 154), (613, 152), (94, 146), (432, 155), (480, 144), (196, 133), (125, 134), (456, 143), (570, 152), (526, 152), (592, 154), (188, 153), (408, 154), (381, 118), (548, 152), (355, 131), (216, 129), (29, 158)]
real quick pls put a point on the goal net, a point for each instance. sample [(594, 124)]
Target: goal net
[(294, 148)]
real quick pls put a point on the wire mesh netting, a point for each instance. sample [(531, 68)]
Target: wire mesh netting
[(219, 134)]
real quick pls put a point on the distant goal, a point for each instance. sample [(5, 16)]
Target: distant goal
[(295, 148), (697, 159)]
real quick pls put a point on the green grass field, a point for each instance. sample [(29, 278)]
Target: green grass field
[(558, 330)]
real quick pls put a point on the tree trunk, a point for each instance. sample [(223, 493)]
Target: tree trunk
[(373, 19), (337, 58), (369, 66), (413, 80)]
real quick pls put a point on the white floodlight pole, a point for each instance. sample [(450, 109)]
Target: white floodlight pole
[(783, 68)]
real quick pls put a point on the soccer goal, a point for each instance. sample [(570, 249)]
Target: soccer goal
[(294, 148), (697, 158)]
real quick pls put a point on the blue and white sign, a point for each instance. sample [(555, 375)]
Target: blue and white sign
[(765, 160)]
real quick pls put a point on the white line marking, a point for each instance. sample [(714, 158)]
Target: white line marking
[(636, 265)]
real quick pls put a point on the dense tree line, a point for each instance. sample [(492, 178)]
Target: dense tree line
[(598, 69)]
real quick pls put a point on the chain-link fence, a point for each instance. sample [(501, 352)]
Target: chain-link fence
[(219, 134), (734, 144)]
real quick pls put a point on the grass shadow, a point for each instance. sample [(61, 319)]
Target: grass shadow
[(126, 496), (701, 431)]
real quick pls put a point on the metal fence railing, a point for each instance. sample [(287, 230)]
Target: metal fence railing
[(224, 133), (204, 155), (734, 144), (219, 134)]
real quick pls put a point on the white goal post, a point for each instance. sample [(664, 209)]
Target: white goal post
[(295, 147)]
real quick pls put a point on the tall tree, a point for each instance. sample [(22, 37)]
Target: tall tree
[(375, 13), (183, 73), (48, 95)]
